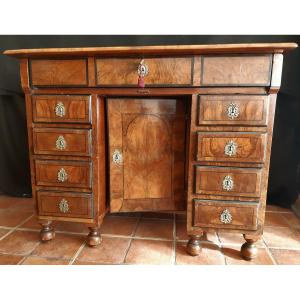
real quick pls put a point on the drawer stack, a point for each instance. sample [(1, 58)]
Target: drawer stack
[(62, 156)]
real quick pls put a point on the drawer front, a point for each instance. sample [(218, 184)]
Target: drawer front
[(234, 146), (228, 181), (63, 173), (65, 109), (220, 214), (243, 70), (62, 141), (233, 110), (161, 71), (73, 205), (58, 72)]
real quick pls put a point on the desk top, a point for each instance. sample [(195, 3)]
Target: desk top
[(152, 50)]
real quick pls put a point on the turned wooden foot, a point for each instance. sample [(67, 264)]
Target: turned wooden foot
[(94, 237), (47, 233), (193, 246), (249, 249)]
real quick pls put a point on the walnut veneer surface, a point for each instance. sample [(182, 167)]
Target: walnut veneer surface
[(156, 128)]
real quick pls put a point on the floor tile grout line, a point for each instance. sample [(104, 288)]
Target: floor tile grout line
[(16, 227), (29, 254), (72, 260), (132, 236), (269, 252), (220, 244)]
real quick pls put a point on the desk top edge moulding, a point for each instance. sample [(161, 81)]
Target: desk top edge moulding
[(152, 129)]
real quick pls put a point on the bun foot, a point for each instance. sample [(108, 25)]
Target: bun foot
[(47, 233), (94, 238), (249, 250), (193, 246)]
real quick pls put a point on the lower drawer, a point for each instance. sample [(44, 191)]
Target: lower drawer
[(60, 204), (219, 214)]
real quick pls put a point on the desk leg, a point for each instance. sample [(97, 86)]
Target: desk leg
[(94, 237), (193, 246), (249, 249), (47, 233)]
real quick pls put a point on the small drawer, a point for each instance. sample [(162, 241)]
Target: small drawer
[(228, 181), (58, 72), (72, 205), (218, 214), (161, 71), (62, 141), (231, 147), (236, 70), (63, 173), (61, 109), (233, 110)]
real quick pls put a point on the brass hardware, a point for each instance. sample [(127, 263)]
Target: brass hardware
[(143, 69), (226, 217), (233, 111), (117, 157), (61, 143), (230, 148), (63, 206), (62, 175), (228, 183), (60, 110)]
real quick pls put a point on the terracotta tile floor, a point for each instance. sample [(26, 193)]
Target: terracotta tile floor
[(145, 238)]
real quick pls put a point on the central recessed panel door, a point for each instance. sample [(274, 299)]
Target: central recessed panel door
[(147, 154)]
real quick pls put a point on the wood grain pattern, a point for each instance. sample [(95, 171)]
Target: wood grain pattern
[(246, 181), (77, 108), (207, 214), (78, 141), (150, 136), (78, 173), (250, 147), (163, 50), (79, 204), (162, 71), (236, 70), (252, 110), (58, 72)]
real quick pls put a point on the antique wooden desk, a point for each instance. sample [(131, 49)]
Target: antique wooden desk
[(157, 128)]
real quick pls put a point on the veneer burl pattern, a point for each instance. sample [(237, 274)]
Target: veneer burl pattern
[(153, 128)]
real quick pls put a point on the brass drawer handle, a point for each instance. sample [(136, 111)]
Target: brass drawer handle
[(62, 175), (142, 72), (117, 157), (226, 217), (230, 148), (61, 143), (227, 183), (63, 206), (60, 110), (233, 111)]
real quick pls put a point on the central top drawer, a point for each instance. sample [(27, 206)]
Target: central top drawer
[(173, 71)]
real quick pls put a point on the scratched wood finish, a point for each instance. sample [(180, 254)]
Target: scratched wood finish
[(150, 134), (250, 110), (162, 71), (208, 214), (76, 108), (250, 147), (77, 141), (58, 72), (78, 173), (79, 204), (246, 181), (243, 70)]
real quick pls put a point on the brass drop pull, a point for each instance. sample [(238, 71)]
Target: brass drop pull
[(61, 143), (62, 175), (142, 72), (233, 111), (117, 157), (226, 217), (60, 110), (63, 206), (227, 183), (230, 148)]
